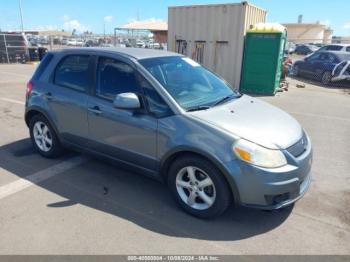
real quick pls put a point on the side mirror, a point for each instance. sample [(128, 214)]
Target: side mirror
[(127, 101)]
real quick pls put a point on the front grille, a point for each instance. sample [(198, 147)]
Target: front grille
[(299, 147)]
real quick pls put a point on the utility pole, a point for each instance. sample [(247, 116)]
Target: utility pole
[(104, 31), (20, 12)]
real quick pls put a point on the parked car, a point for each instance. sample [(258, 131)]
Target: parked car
[(56, 40), (80, 42), (290, 48), (71, 42), (33, 41), (305, 49), (64, 41), (154, 45), (126, 43), (320, 65), (91, 43), (140, 44), (75, 42), (336, 47), (43, 41), (106, 45), (168, 117)]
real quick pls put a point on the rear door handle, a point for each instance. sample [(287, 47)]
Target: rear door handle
[(96, 110)]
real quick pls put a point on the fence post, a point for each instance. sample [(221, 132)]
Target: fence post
[(7, 54), (51, 42), (115, 38)]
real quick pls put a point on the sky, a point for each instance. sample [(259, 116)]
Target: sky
[(92, 15)]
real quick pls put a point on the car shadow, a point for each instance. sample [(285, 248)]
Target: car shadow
[(133, 197)]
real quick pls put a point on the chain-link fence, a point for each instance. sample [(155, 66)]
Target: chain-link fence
[(13, 48), (21, 48)]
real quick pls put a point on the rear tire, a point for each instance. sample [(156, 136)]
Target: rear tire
[(326, 78), (202, 192), (296, 70), (44, 137)]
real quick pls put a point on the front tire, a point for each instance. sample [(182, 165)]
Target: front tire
[(199, 187), (44, 137)]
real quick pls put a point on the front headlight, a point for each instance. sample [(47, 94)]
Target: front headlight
[(258, 155)]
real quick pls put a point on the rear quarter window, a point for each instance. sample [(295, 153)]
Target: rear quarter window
[(42, 66)]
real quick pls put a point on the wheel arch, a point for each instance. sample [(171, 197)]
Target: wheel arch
[(33, 111), (182, 151)]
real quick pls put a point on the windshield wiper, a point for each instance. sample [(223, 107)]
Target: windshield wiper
[(224, 99), (198, 108)]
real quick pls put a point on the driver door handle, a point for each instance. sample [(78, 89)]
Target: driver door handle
[(95, 110)]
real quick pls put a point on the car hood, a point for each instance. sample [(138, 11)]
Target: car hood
[(254, 120)]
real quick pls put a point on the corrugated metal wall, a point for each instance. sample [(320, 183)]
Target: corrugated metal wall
[(218, 33), (254, 15)]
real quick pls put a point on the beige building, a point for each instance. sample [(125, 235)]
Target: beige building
[(159, 29), (341, 40), (304, 33), (47, 33)]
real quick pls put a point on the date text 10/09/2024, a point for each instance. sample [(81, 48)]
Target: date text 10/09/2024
[(173, 258)]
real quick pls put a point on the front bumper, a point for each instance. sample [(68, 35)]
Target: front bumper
[(274, 188), (285, 199)]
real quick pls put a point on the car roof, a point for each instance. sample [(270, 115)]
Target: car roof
[(137, 53), (341, 55), (338, 44)]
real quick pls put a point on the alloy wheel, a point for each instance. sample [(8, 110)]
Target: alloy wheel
[(42, 136), (326, 78), (195, 188)]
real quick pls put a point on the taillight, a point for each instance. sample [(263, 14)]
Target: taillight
[(29, 88)]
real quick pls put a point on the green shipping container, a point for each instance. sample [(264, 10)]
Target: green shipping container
[(263, 58)]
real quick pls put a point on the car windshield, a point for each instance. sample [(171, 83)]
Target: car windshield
[(190, 84), (313, 48)]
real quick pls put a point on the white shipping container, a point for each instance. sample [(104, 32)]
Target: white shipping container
[(213, 35)]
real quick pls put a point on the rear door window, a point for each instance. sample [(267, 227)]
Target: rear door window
[(348, 49), (315, 57), (334, 47), (73, 72)]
